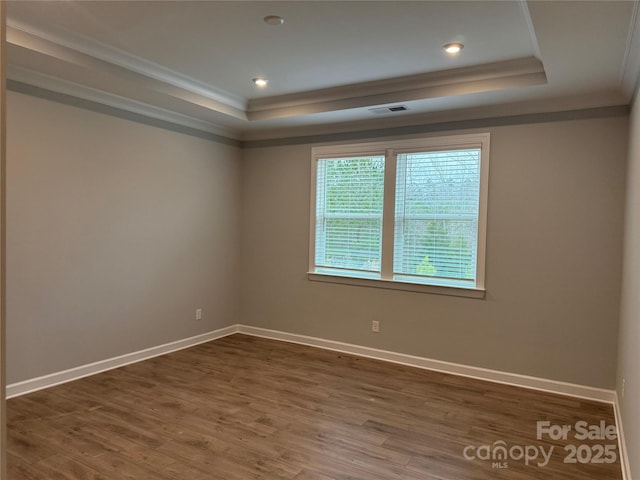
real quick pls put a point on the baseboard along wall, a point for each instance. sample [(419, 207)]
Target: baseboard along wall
[(76, 373), (536, 383), (524, 381), (622, 445)]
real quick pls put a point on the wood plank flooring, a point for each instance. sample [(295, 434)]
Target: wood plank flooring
[(244, 408)]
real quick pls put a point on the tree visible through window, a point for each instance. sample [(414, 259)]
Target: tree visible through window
[(434, 192), (436, 214), (349, 213)]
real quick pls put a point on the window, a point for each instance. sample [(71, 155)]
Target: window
[(349, 204), (402, 214)]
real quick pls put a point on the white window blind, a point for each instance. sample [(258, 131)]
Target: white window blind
[(436, 216), (349, 204), (408, 214)]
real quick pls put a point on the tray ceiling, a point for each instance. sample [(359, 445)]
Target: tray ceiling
[(329, 63)]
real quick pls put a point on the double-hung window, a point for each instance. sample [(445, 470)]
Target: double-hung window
[(407, 214)]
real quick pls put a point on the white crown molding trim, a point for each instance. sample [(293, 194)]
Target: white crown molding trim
[(34, 52), (514, 379), (66, 87), (46, 381), (58, 47), (630, 70), (458, 81), (622, 444), (115, 56), (524, 4)]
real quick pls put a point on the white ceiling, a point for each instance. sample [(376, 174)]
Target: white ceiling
[(330, 62)]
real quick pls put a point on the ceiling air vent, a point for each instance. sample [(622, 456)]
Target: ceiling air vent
[(393, 109)]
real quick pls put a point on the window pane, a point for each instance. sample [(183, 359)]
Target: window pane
[(349, 206), (436, 220)]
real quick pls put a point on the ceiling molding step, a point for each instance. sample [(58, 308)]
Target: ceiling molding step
[(132, 86), (141, 76), (115, 56), (595, 100), (72, 89), (91, 106), (459, 81), (524, 4), (310, 138), (630, 72)]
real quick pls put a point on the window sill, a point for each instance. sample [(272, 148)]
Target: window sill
[(396, 285)]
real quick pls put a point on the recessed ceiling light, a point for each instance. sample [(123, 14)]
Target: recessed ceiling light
[(453, 48), (260, 82), (273, 20)]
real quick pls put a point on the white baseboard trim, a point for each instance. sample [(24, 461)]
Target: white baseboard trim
[(622, 445), (534, 383), (46, 381), (524, 381)]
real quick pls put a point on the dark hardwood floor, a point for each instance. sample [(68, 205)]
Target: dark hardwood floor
[(244, 408)]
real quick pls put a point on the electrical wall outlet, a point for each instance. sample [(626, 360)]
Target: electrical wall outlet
[(198, 314), (375, 326)]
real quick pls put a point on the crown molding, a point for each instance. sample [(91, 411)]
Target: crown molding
[(83, 92), (524, 5), (107, 53), (470, 122), (55, 50), (73, 65), (38, 51), (459, 81), (630, 71)]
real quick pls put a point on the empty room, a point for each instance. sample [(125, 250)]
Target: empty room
[(312, 240)]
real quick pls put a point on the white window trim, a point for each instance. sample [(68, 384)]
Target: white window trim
[(390, 150)]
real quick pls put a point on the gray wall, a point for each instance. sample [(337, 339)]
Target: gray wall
[(556, 200), (117, 232), (629, 346)]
